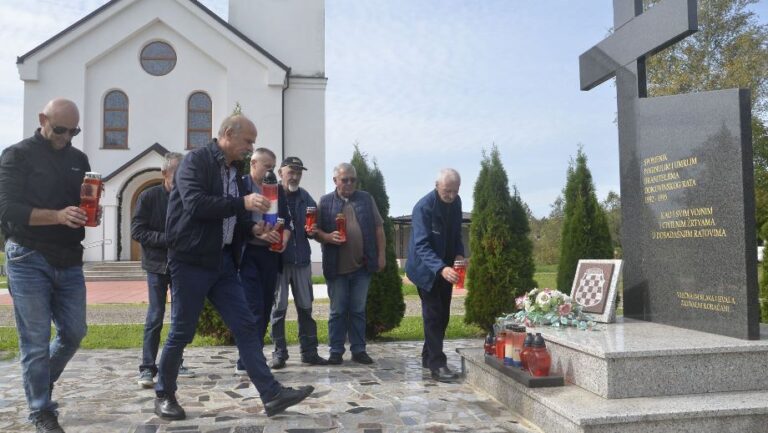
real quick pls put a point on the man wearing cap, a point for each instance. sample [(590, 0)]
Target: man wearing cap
[(296, 271), (260, 264)]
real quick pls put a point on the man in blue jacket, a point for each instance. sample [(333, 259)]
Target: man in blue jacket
[(206, 225), (297, 271), (434, 245), (260, 265)]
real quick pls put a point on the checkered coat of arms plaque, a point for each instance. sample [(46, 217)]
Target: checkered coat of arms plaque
[(592, 286)]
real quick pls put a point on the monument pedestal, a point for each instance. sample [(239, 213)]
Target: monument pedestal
[(635, 376)]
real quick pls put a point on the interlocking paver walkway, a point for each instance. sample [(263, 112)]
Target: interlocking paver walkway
[(98, 394)]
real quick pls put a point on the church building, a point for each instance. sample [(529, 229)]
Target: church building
[(153, 76)]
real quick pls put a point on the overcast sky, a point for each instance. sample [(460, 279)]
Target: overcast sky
[(425, 84)]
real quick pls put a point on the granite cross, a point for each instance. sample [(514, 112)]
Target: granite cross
[(687, 192)]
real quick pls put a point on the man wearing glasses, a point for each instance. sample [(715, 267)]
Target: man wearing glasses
[(40, 180), (349, 261)]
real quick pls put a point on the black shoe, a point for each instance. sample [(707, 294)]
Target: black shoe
[(444, 374), (47, 422), (277, 363), (362, 358), (287, 398), (335, 359), (168, 408), (314, 359)]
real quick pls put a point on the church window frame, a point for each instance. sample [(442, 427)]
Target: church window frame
[(199, 119), (115, 120), (158, 58)]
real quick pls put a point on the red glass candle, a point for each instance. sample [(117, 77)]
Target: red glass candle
[(279, 227), (460, 266), (539, 360), (90, 194), (311, 215), (527, 348), (500, 339), (341, 227)]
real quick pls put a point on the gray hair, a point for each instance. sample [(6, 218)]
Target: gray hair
[(169, 158), (346, 167), (264, 151), (448, 175), (233, 123)]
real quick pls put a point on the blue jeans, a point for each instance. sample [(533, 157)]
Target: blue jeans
[(190, 286), (157, 291), (42, 293), (348, 294), (258, 275)]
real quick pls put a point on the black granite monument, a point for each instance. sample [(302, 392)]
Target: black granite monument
[(687, 192)]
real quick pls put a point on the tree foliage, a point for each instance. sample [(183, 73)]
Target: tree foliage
[(502, 264), (729, 50), (585, 227), (385, 305)]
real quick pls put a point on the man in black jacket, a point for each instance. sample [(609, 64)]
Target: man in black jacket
[(40, 180), (148, 229), (207, 221)]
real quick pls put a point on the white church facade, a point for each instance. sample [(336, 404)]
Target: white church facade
[(152, 76)]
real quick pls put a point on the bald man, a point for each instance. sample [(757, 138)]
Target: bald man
[(434, 245), (40, 180), (208, 221)]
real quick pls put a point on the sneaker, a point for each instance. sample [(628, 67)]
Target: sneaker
[(240, 371), (277, 363), (185, 372), (335, 359), (314, 359), (146, 379), (47, 422), (362, 358)]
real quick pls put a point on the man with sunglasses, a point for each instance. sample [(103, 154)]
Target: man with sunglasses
[(348, 263), (40, 180)]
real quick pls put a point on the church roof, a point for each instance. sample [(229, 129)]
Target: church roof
[(104, 7), (157, 147)]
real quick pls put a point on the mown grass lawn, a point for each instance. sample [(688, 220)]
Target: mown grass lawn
[(130, 336)]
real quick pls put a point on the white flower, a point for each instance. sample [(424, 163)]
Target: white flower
[(543, 298)]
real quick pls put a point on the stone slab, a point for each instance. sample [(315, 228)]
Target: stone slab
[(571, 409), (632, 358)]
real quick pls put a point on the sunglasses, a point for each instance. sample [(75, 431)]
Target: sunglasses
[(347, 180), (60, 130)]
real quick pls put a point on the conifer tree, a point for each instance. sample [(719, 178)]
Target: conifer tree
[(501, 267), (585, 226), (385, 306)]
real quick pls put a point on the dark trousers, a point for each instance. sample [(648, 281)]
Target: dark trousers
[(258, 274), (435, 311), (157, 291), (190, 286)]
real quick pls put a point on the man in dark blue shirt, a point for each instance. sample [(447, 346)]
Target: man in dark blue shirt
[(434, 245)]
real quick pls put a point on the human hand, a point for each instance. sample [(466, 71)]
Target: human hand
[(450, 275), (256, 202), (72, 217)]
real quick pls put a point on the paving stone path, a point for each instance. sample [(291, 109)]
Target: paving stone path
[(98, 394)]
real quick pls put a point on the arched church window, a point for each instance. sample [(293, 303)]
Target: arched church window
[(199, 120), (115, 120), (158, 58)]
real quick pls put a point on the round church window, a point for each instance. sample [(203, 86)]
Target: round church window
[(158, 58)]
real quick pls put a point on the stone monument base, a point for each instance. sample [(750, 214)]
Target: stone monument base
[(635, 376)]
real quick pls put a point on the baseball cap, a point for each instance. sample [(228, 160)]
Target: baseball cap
[(293, 162)]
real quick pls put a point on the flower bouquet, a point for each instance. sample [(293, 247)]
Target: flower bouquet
[(548, 307)]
